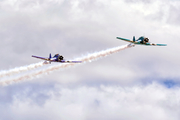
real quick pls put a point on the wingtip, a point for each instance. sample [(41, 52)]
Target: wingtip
[(118, 37), (162, 44)]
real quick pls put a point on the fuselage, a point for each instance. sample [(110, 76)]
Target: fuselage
[(56, 58), (141, 41)]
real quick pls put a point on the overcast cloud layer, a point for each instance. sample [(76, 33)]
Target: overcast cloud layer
[(137, 83)]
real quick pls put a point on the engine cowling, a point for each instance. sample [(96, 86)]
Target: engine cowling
[(60, 57), (146, 40)]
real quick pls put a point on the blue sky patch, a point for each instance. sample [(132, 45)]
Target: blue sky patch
[(169, 83)]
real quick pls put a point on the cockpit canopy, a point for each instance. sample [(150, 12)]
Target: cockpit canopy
[(59, 57), (56, 55), (141, 38)]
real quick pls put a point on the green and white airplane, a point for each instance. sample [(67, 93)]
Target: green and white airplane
[(141, 41)]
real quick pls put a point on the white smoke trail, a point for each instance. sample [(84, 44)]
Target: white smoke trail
[(20, 69), (88, 58)]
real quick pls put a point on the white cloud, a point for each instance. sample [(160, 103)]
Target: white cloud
[(77, 27), (106, 102)]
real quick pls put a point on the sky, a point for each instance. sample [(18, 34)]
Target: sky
[(137, 83)]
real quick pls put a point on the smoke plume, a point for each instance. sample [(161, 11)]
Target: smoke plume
[(51, 68), (20, 69)]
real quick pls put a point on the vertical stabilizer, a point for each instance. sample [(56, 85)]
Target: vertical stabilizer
[(50, 56), (134, 39)]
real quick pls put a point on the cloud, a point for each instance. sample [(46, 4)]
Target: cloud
[(153, 101), (108, 87), (78, 27)]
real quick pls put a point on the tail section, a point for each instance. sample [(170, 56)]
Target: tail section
[(49, 56), (134, 39)]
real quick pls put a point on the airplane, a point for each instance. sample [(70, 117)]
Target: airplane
[(141, 41), (56, 58)]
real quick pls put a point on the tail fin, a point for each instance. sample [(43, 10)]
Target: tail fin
[(49, 56), (134, 39)]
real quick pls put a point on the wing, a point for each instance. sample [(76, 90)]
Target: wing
[(40, 57), (67, 61), (124, 39), (161, 44), (153, 44)]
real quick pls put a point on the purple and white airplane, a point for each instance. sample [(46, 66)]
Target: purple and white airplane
[(56, 58)]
